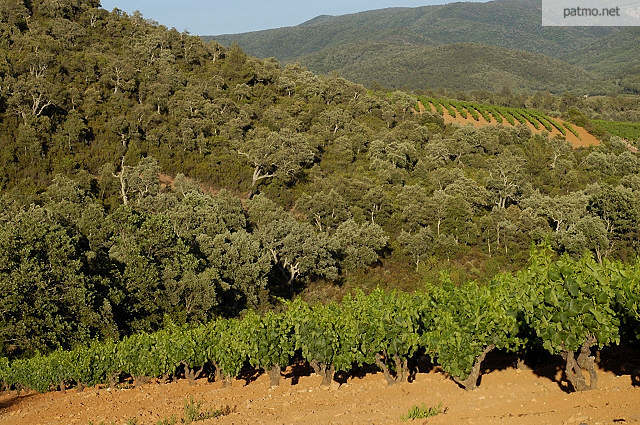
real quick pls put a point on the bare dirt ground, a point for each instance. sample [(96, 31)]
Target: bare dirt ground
[(506, 396), (586, 138)]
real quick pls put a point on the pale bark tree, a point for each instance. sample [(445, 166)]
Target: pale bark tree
[(281, 154)]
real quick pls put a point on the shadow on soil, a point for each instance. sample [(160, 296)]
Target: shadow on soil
[(297, 371), (417, 365), (359, 373), (619, 360), (7, 400), (249, 375), (554, 372), (541, 364), (622, 360)]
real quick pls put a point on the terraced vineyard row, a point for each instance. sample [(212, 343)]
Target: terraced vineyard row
[(497, 114)]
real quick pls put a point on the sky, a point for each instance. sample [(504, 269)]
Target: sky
[(215, 17)]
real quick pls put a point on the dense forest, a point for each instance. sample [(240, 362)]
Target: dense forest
[(461, 45), (148, 176)]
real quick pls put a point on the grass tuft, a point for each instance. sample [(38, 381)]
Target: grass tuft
[(422, 412), (192, 412)]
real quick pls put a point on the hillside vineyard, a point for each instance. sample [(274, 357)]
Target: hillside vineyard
[(171, 207)]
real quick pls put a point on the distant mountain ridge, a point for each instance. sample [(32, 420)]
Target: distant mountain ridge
[(509, 24)]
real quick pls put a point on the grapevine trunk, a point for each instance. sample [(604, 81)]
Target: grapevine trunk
[(402, 369), (274, 376), (324, 370), (191, 374), (471, 382), (574, 368)]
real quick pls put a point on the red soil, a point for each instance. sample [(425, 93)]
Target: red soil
[(505, 396)]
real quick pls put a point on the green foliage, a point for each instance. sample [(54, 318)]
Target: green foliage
[(384, 328), (467, 320), (546, 123), (326, 210), (507, 115), (155, 265), (359, 244), (565, 303), (571, 301), (192, 411), (418, 245), (471, 109), (318, 336), (615, 205), (484, 111), (627, 130), (231, 349), (173, 420), (614, 55), (460, 109), (531, 118), (46, 295), (428, 101), (495, 114), (572, 130), (449, 107), (438, 107), (557, 125), (239, 265), (296, 248), (281, 154), (516, 113), (104, 238), (271, 339)]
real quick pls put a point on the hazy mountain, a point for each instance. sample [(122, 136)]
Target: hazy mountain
[(352, 45)]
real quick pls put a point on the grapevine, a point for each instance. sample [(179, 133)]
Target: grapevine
[(566, 306)]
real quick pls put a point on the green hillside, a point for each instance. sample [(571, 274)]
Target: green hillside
[(362, 45), (513, 24), (616, 55), (459, 66)]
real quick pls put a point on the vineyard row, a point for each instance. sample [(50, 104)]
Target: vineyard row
[(513, 116), (566, 306)]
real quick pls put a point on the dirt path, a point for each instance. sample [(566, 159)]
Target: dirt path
[(506, 396), (586, 138)]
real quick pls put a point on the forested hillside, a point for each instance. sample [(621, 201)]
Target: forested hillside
[(455, 66), (148, 176), (616, 55), (403, 47), (513, 24)]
